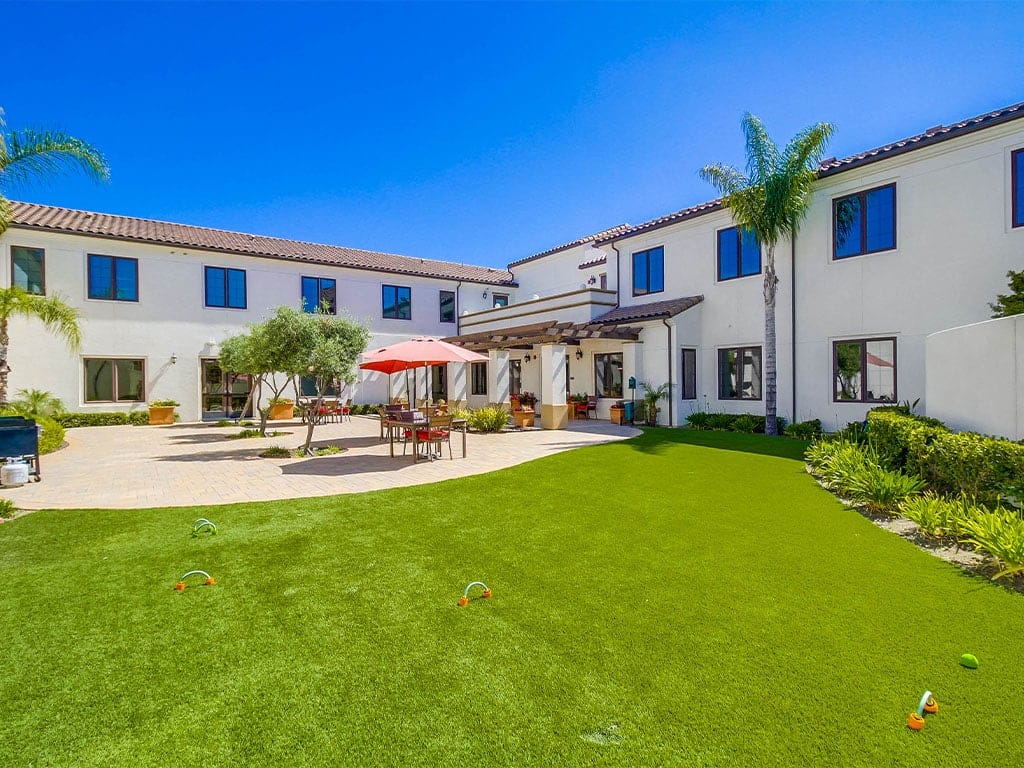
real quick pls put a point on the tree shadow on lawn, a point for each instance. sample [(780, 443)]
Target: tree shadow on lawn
[(656, 440)]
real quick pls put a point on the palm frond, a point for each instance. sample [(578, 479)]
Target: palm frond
[(30, 153), (724, 178), (6, 214), (51, 311), (762, 153)]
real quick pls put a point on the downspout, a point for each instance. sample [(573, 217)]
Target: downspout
[(792, 318), (668, 328), (458, 316), (618, 282)]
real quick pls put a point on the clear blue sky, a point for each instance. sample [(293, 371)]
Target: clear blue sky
[(473, 132)]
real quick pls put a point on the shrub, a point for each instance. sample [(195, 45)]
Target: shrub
[(747, 423), (891, 428), (223, 423), (164, 403), (7, 508), (488, 419), (880, 489), (247, 433), (52, 437), (698, 419), (720, 420), (36, 402), (275, 452), (804, 430), (853, 432), (1000, 534), (939, 517), (101, 419), (841, 468)]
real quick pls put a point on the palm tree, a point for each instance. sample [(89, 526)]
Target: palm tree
[(24, 155), (31, 153), (53, 313), (770, 200)]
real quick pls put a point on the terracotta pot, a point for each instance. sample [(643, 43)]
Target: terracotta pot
[(161, 414), (282, 411)]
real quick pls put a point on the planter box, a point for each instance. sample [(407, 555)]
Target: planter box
[(618, 415), (161, 414), (524, 418), (282, 411)]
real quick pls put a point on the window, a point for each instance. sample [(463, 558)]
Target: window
[(307, 387), (115, 381), (739, 253), (319, 294), (689, 377), (649, 271), (864, 222), (113, 278), (608, 375), (479, 374), (447, 306), (225, 288), (864, 371), (515, 377), (397, 302), (499, 299), (1017, 185), (27, 269), (739, 373), (603, 277)]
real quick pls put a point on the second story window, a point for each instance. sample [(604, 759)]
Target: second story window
[(319, 294), (739, 253), (1017, 184), (499, 299), (113, 278), (447, 303), (225, 288), (28, 270), (864, 222), (397, 302), (649, 271)]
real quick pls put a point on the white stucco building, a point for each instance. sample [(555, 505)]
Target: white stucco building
[(900, 242)]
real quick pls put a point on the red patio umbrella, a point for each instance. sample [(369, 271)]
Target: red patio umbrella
[(417, 353)]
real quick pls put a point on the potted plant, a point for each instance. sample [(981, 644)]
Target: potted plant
[(618, 412), (281, 408), (162, 411), (527, 399), (652, 396)]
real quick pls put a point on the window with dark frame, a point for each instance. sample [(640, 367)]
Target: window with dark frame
[(739, 253), (688, 356), (864, 370), (1017, 186), (478, 373), (396, 302), (603, 278), (864, 222), (115, 380), (113, 278), (499, 300), (739, 373), (649, 271), (28, 269), (447, 303), (320, 294), (515, 377), (225, 288), (608, 374)]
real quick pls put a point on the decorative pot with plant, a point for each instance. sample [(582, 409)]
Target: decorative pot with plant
[(162, 411), (618, 412), (527, 399), (281, 408), (652, 396)]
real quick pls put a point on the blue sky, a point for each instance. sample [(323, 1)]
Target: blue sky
[(473, 132)]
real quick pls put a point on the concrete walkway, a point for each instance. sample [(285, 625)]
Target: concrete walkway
[(192, 464)]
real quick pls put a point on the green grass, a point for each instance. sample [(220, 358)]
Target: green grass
[(684, 598)]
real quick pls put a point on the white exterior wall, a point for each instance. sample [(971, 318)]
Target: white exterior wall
[(559, 272), (171, 319), (975, 377)]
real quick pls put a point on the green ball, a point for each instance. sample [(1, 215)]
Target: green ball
[(969, 660)]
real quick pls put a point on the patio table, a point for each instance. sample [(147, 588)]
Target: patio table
[(414, 426)]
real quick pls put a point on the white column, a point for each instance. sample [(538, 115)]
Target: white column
[(497, 377), (458, 382), (554, 413)]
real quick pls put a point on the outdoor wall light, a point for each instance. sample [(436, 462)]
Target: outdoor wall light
[(527, 358), (174, 358), (579, 353), (592, 280), (485, 293)]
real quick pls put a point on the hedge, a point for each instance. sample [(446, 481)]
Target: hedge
[(986, 468), (52, 437), (101, 419), (735, 422)]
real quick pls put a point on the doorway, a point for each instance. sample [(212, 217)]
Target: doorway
[(438, 383), (223, 394)]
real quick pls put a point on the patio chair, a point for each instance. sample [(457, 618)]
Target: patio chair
[(437, 431), (581, 409), (345, 411), (591, 407)]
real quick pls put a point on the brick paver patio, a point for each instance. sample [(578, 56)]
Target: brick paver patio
[(189, 464)]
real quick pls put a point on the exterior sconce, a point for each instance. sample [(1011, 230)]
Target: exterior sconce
[(579, 353), (485, 293), (592, 280), (174, 358), (527, 358)]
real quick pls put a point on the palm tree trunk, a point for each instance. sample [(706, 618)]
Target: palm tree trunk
[(771, 282), (4, 369)]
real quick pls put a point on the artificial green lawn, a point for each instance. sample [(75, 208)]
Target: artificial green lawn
[(684, 598)]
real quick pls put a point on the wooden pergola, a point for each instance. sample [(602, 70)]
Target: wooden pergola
[(546, 332)]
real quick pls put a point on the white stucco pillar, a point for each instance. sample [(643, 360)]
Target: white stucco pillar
[(554, 413), (632, 365), (458, 382), (497, 377)]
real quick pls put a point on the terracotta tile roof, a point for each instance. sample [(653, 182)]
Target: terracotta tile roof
[(593, 263), (52, 219), (832, 166), (655, 310), (608, 234)]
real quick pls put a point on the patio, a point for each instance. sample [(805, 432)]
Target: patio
[(193, 464)]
